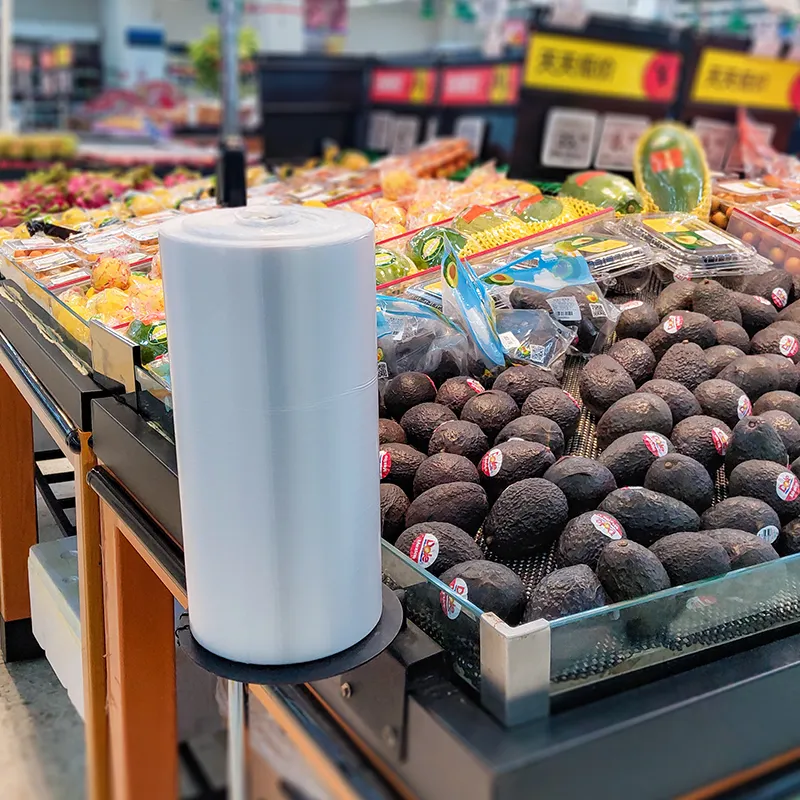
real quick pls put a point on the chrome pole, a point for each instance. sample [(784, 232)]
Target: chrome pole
[(237, 753)]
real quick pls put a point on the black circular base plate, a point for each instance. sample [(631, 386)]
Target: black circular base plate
[(382, 635)]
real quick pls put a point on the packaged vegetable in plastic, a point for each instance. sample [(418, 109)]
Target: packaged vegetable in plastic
[(671, 171), (539, 208), (603, 190), (427, 248), (486, 228), (413, 337), (562, 285), (532, 336), (151, 338), (391, 265)]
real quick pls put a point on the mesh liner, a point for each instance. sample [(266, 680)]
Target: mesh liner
[(587, 650)]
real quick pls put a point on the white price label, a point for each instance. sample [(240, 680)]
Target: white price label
[(716, 138), (509, 341), (431, 129), (473, 129), (715, 237), (379, 133), (565, 309), (405, 135), (618, 140), (569, 137)]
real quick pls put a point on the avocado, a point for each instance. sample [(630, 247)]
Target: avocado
[(774, 285), (791, 312), (555, 404), (437, 546), (490, 411), (584, 481), (647, 516), (421, 421), (584, 538), (443, 468), (675, 297), (636, 320), (602, 382), (533, 428), (513, 461), (684, 363), (786, 401), (719, 356), (390, 431), (461, 504), (732, 334), (742, 513), (770, 482), (398, 464), (723, 400), (529, 299), (382, 410), (691, 556), (460, 438), (787, 428), (703, 438), (629, 457), (525, 519), (565, 592), (683, 478), (756, 375), (715, 301), (519, 382), (628, 570), (591, 327), (757, 312), (682, 403), (394, 504), (681, 326), (636, 358), (491, 587), (787, 372), (641, 411), (776, 339), (789, 540), (455, 392), (407, 390), (754, 438), (743, 549)]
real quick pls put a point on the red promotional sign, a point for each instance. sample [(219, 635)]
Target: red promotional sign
[(480, 86), (402, 85)]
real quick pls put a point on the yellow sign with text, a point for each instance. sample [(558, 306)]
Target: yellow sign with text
[(739, 79), (589, 66)]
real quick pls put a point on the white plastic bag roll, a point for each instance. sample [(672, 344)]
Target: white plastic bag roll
[(271, 320)]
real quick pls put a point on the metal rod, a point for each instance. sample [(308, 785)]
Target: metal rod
[(237, 761), (6, 40), (229, 44)]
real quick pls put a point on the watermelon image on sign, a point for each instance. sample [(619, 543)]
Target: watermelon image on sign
[(604, 190)]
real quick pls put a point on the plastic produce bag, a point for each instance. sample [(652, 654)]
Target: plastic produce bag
[(562, 285), (413, 337), (486, 228), (532, 336), (427, 248), (391, 265)]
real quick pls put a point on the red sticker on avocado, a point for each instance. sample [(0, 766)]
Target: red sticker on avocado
[(475, 385), (607, 525), (491, 462), (656, 444), (577, 404), (744, 408), (673, 323), (424, 549), (787, 487), (631, 304), (385, 461), (451, 607), (432, 383), (779, 297), (762, 300), (788, 346), (720, 439), (769, 533)]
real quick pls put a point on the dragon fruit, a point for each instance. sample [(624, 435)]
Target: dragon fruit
[(90, 190)]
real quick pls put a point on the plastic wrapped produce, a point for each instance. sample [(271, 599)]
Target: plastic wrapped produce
[(486, 228), (391, 265), (427, 248), (603, 190)]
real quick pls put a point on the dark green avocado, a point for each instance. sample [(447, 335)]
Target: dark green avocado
[(787, 428), (564, 592), (629, 457), (628, 570), (787, 401), (756, 375), (681, 401), (715, 301), (636, 320), (789, 541), (394, 504), (422, 420), (390, 431), (778, 340), (731, 334), (757, 312), (635, 357), (584, 481), (742, 513), (437, 546), (525, 519), (398, 463), (443, 468), (555, 404), (640, 411), (744, 549), (770, 482), (788, 374), (683, 478), (513, 461), (723, 400), (407, 390), (455, 392), (647, 516), (602, 382), (519, 382), (675, 297), (491, 587), (681, 326), (461, 504), (533, 428), (754, 438), (703, 438), (691, 556), (490, 411), (461, 438), (774, 285), (684, 363), (584, 538), (719, 356)]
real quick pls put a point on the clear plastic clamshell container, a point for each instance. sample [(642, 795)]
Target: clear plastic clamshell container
[(781, 214), (688, 247)]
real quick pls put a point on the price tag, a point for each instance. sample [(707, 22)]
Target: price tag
[(618, 140), (473, 129), (431, 129), (716, 138), (569, 137), (379, 133), (405, 135)]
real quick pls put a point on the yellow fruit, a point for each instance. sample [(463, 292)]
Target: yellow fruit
[(73, 216), (143, 204), (111, 272), (108, 304), (20, 232)]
